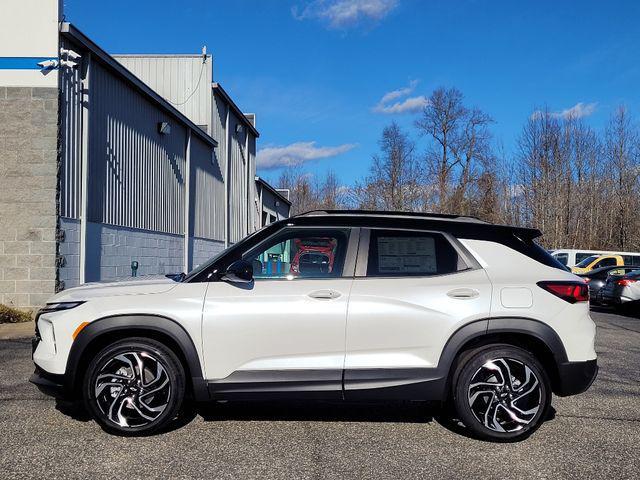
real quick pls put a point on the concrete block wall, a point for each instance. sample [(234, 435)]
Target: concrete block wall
[(203, 249), (28, 187), (69, 249), (156, 253)]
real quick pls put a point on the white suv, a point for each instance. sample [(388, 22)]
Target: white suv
[(343, 305)]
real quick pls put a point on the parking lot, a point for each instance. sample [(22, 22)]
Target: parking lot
[(594, 435)]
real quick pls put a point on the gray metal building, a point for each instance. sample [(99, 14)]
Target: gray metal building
[(274, 204), (155, 167)]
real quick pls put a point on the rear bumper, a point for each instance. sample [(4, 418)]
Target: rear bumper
[(576, 377)]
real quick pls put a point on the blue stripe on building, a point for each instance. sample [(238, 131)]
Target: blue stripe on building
[(23, 63)]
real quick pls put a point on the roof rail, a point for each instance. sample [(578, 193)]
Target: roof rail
[(393, 213)]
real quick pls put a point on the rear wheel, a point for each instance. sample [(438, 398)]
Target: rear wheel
[(501, 393), (134, 386)]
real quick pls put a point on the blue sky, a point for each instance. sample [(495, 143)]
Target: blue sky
[(315, 71)]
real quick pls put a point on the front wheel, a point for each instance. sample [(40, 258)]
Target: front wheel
[(501, 393), (134, 386)]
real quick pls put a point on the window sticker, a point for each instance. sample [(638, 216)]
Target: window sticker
[(406, 255)]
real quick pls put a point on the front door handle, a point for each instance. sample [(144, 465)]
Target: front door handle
[(325, 294), (463, 293)]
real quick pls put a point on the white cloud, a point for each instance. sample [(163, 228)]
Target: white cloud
[(408, 105), (401, 92), (579, 110), (342, 14), (297, 154)]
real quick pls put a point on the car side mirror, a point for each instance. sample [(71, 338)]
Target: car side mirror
[(239, 271)]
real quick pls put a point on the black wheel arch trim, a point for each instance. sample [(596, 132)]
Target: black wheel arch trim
[(478, 329), (149, 322), (506, 325)]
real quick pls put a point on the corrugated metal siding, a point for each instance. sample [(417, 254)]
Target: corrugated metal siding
[(254, 208), (185, 81), (206, 192), (219, 132), (136, 174), (71, 118), (237, 183)]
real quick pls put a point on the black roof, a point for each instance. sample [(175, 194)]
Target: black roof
[(459, 225)]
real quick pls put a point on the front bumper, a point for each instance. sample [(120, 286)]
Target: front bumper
[(576, 377), (49, 383)]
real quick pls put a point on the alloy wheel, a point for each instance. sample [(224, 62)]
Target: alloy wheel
[(505, 395), (132, 389)]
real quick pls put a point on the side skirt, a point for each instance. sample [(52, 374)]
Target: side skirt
[(365, 384)]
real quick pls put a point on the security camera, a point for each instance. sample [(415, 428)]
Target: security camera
[(68, 63), (48, 64), (70, 54)]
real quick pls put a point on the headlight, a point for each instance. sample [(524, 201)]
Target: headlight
[(56, 307)]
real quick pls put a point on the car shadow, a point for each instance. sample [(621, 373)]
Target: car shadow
[(310, 411)]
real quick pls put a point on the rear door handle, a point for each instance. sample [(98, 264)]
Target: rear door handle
[(463, 293), (325, 294)]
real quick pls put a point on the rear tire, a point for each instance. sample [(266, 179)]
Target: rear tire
[(134, 387), (501, 393)]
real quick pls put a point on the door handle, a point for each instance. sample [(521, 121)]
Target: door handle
[(325, 294), (463, 293)]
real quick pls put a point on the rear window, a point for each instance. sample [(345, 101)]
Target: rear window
[(580, 256), (631, 259), (587, 261), (607, 262), (532, 250), (394, 253), (563, 258)]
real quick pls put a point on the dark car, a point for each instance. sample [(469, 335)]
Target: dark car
[(598, 278), (622, 291)]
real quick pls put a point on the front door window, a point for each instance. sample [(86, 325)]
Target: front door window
[(300, 253)]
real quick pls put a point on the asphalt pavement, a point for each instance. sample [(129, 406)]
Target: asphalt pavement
[(593, 435)]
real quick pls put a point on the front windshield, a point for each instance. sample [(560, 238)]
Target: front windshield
[(587, 261)]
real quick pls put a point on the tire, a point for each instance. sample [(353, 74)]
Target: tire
[(126, 403), (493, 408)]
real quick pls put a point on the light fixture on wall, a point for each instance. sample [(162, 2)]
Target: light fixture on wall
[(164, 128), (239, 129)]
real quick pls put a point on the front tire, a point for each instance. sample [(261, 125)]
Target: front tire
[(501, 393), (134, 387)]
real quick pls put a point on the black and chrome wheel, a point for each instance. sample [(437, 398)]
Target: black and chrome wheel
[(502, 393), (134, 387)]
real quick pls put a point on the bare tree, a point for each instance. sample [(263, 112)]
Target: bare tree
[(459, 149), (303, 194), (393, 181), (621, 152)]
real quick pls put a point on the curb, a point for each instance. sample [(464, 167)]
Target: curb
[(9, 331)]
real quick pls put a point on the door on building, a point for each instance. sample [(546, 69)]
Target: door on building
[(285, 331)]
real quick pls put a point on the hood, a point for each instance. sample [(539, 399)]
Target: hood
[(131, 287)]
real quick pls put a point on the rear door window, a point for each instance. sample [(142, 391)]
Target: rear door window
[(397, 253)]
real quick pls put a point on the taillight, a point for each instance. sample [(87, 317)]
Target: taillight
[(571, 292), (625, 282)]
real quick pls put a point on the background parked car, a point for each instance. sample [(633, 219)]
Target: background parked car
[(598, 261), (621, 291), (596, 279), (572, 257)]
